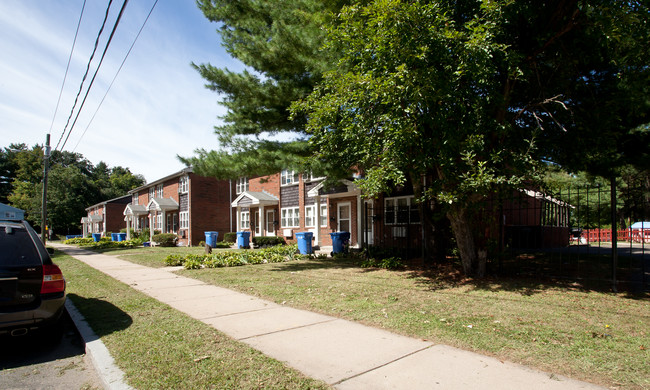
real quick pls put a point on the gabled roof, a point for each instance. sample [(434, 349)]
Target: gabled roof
[(135, 209), (95, 218), (180, 173), (248, 198), (162, 204), (122, 199), (346, 188)]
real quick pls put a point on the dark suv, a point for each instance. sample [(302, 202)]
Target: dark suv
[(32, 287)]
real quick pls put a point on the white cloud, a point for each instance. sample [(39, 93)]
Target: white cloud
[(158, 106)]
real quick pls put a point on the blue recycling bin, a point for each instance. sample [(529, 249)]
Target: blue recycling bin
[(304, 242), (97, 237), (211, 239), (339, 239), (113, 236), (243, 239), (121, 236)]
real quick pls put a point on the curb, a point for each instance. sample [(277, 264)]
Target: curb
[(110, 375)]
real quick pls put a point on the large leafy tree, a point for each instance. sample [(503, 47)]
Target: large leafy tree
[(279, 44), (471, 94), (73, 184)]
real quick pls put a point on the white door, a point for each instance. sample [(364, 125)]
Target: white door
[(270, 226), (258, 231), (343, 212), (369, 233)]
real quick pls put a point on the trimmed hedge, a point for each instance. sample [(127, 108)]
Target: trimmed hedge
[(230, 237), (165, 239), (268, 241)]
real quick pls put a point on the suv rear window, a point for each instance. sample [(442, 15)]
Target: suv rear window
[(16, 246)]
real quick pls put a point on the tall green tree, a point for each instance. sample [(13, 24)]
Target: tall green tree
[(74, 184), (472, 94), (279, 43)]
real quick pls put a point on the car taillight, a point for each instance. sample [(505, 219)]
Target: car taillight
[(53, 281)]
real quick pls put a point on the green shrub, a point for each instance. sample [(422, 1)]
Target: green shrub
[(79, 241), (174, 260), (264, 241), (387, 263), (230, 237), (223, 244), (165, 239)]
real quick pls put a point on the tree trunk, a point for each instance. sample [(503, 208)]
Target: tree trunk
[(473, 263), (433, 237)]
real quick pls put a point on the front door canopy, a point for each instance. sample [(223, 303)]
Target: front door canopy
[(162, 204), (249, 198), (346, 188)]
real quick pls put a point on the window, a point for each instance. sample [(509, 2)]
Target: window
[(288, 177), (290, 217), (241, 185), (184, 217), (152, 192), (310, 216), (245, 220), (159, 191), (402, 210), (134, 198), (308, 176), (172, 223), (184, 184), (159, 222), (323, 215)]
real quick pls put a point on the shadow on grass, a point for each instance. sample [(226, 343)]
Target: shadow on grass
[(450, 275), (314, 264), (102, 316)]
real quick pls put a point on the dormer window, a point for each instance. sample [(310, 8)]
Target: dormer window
[(241, 185), (288, 177)]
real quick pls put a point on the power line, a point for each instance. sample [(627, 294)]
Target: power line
[(110, 38), (116, 74), (85, 74), (65, 76)]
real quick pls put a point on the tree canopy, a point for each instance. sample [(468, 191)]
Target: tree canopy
[(475, 93), (73, 184), (279, 43)]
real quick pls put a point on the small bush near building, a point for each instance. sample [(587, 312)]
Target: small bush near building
[(267, 241), (230, 237), (276, 254), (165, 239)]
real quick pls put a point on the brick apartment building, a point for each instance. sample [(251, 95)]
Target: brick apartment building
[(105, 216), (183, 203)]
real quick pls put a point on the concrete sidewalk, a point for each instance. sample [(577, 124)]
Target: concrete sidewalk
[(341, 353)]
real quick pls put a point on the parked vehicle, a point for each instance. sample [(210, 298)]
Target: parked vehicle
[(32, 287)]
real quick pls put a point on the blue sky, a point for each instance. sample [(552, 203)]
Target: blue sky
[(158, 106)]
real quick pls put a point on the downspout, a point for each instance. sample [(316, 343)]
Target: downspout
[(230, 203)]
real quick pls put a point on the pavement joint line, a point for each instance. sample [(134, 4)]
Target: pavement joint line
[(288, 329), (233, 314), (382, 365)]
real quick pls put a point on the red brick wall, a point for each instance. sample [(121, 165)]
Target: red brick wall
[(115, 217), (210, 208), (270, 184)]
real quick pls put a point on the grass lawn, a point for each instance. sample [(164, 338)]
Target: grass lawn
[(160, 348), (598, 337), (563, 328)]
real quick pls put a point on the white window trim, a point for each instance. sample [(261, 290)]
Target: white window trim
[(241, 185), (152, 192), (290, 217), (184, 185), (184, 217), (244, 220), (134, 199), (323, 215), (159, 191), (409, 203), (312, 223), (288, 177)]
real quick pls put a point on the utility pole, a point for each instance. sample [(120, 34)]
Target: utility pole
[(46, 161)]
